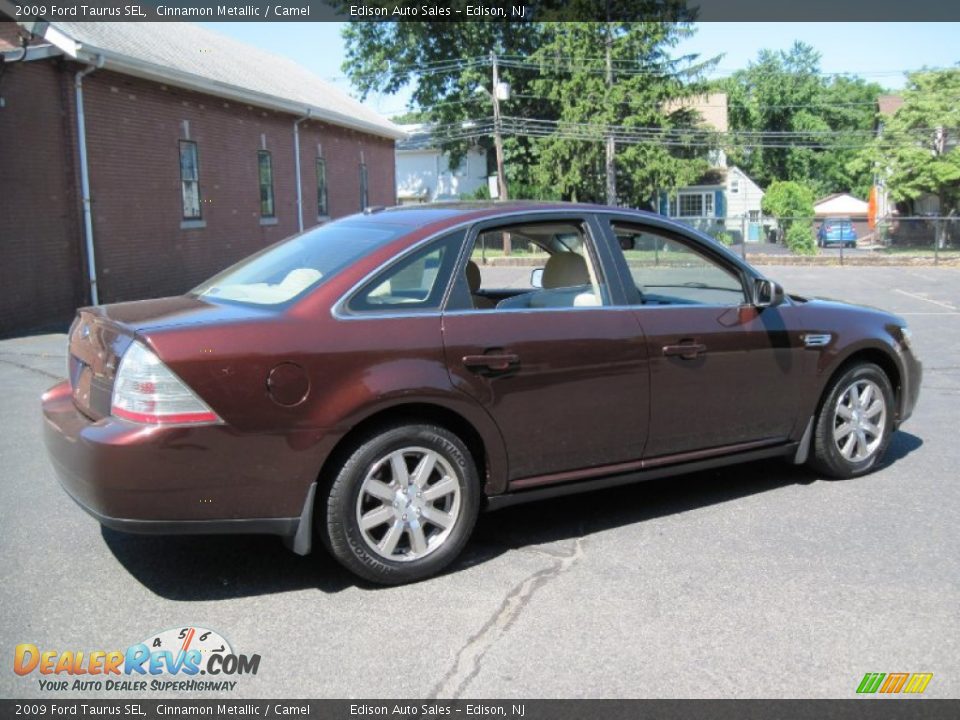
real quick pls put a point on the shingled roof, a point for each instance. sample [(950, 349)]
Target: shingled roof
[(188, 55)]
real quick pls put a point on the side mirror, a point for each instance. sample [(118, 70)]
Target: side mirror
[(536, 278), (766, 293)]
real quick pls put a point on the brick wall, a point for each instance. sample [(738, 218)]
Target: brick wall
[(133, 132), (9, 36), (41, 263)]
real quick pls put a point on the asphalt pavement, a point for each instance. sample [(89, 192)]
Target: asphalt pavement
[(761, 580)]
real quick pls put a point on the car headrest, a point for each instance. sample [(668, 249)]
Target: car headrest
[(565, 269), (473, 276)]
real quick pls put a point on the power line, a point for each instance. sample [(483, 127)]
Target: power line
[(672, 137), (569, 63)]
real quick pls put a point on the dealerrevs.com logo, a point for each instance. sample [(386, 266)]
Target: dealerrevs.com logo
[(894, 683), (172, 660)]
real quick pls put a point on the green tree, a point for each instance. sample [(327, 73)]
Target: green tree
[(446, 65), (918, 148), (784, 93), (791, 203), (561, 78), (583, 93)]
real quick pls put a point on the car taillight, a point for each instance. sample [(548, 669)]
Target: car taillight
[(147, 391)]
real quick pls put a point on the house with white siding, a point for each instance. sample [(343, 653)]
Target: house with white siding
[(425, 173)]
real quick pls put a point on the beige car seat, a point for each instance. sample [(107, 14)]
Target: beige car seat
[(480, 302)]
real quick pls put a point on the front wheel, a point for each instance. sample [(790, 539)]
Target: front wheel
[(855, 423), (404, 504)]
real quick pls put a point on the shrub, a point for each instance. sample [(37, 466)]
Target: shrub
[(792, 205), (724, 238), (799, 238)]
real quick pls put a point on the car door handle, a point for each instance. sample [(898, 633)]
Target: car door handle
[(685, 350), (491, 362)]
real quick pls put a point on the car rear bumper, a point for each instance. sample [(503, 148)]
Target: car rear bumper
[(838, 241), (177, 479)]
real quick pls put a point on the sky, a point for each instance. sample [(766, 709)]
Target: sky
[(879, 52)]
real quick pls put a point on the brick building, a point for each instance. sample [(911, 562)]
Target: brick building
[(185, 142)]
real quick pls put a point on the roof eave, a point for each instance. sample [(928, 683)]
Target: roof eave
[(170, 76), (31, 53)]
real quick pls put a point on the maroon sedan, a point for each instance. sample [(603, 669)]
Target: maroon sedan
[(374, 383)]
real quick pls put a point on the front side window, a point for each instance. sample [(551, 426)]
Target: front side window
[(265, 170), (322, 210), (189, 180), (289, 269), (667, 271)]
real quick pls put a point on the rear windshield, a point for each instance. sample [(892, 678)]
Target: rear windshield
[(284, 271)]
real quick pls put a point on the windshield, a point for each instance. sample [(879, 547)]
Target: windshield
[(288, 269)]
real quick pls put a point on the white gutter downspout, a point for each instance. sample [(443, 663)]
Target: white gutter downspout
[(296, 165), (85, 178)]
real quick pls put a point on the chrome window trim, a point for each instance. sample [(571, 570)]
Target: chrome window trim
[(338, 311)]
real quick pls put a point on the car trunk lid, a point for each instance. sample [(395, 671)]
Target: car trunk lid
[(96, 345), (100, 336)]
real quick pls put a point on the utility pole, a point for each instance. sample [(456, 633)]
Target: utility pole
[(497, 129), (939, 148), (498, 142), (611, 144)]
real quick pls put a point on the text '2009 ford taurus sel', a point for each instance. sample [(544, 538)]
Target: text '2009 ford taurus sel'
[(370, 383)]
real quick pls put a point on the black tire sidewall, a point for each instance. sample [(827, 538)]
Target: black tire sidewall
[(341, 532), (827, 457)]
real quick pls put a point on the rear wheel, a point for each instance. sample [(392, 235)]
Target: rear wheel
[(404, 504), (855, 422)]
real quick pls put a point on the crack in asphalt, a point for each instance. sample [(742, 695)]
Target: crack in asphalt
[(466, 666), (31, 369)]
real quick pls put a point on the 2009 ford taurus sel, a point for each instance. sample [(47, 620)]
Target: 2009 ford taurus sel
[(371, 383)]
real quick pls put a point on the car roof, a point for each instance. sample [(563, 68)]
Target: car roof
[(463, 211)]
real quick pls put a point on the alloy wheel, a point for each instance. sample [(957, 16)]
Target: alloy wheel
[(860, 419), (408, 504)]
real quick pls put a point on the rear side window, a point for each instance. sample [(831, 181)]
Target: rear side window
[(287, 270), (415, 283)]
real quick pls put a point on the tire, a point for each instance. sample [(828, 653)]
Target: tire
[(388, 536), (844, 446)]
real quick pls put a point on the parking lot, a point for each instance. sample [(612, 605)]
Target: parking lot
[(752, 581)]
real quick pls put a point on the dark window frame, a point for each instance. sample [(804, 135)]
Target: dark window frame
[(323, 200), (271, 198), (364, 187), (181, 144)]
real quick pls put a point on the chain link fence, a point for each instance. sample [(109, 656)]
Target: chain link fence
[(931, 237), (771, 239)]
